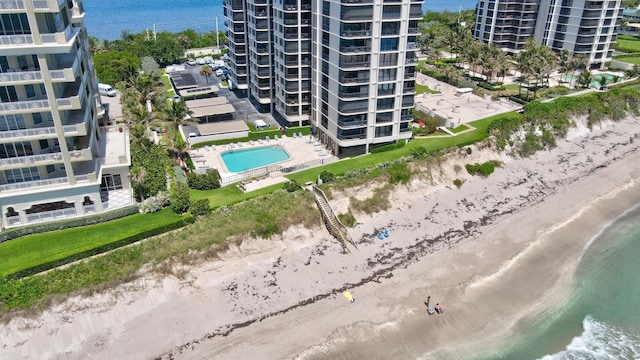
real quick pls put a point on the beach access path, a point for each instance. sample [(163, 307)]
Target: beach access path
[(469, 248)]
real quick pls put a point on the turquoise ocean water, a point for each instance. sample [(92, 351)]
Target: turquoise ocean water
[(601, 318), (107, 19)]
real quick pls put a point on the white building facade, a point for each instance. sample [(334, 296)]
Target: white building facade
[(579, 26), (56, 161), (345, 67)]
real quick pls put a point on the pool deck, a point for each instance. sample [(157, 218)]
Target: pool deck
[(300, 150)]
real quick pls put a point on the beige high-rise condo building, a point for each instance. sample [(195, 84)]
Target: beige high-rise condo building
[(56, 161), (345, 67), (579, 26)]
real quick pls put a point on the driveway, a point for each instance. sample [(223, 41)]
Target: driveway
[(115, 109), (245, 111)]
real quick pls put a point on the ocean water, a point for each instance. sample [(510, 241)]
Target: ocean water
[(601, 319), (107, 19)]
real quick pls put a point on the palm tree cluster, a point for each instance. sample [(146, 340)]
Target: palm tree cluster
[(142, 92), (454, 45)]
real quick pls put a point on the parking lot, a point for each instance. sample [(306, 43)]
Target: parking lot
[(245, 111)]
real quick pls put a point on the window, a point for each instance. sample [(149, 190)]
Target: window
[(384, 117), (51, 168), (388, 44), (15, 150), (386, 104), (22, 175), (387, 75), (12, 122), (14, 24), (389, 59), (386, 89), (37, 118), (8, 94), (30, 91), (384, 131), (111, 182)]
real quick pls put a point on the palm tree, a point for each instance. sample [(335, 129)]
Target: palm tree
[(138, 175), (564, 63), (602, 82), (502, 66), (579, 63), (177, 114), (206, 72), (585, 78), (144, 86), (522, 65)]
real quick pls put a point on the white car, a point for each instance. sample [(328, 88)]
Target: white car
[(191, 62), (200, 61), (219, 72)]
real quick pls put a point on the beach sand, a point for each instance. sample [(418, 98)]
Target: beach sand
[(494, 253)]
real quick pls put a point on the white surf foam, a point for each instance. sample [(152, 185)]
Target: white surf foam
[(600, 341)]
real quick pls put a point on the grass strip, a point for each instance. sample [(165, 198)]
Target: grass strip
[(35, 253)]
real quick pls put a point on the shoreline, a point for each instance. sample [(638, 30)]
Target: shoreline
[(442, 241)]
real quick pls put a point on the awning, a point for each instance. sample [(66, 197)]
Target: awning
[(212, 110)]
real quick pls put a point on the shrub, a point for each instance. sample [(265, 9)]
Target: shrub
[(469, 150), (200, 207), (457, 183), (347, 219), (180, 201), (11, 234), (484, 169), (292, 186), (491, 87), (326, 177), (207, 181), (266, 226), (399, 173), (153, 158), (397, 145), (155, 203), (419, 152)]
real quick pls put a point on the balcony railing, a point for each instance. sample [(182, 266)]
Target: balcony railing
[(51, 215), (12, 5), (12, 107), (13, 76), (12, 40), (42, 132), (60, 38)]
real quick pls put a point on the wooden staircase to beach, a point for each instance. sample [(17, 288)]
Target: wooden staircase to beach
[(331, 221)]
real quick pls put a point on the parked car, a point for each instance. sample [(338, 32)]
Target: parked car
[(219, 72), (191, 62), (200, 61), (106, 89)]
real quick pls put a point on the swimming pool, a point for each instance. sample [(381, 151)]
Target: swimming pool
[(595, 77), (247, 159)]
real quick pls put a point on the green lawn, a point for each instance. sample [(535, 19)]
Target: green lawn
[(32, 250), (630, 60), (421, 89), (629, 45), (168, 89)]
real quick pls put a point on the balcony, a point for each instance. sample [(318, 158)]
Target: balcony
[(356, 33), (22, 106), (72, 96), (356, 2), (353, 95), (354, 80), (59, 37), (77, 13), (47, 5), (18, 76), (412, 60), (354, 64), (66, 69), (53, 157), (355, 49)]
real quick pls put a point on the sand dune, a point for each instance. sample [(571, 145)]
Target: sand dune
[(492, 252)]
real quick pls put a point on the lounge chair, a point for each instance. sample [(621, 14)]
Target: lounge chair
[(276, 137), (213, 147), (207, 148), (232, 145), (294, 135), (240, 143), (323, 153), (267, 138), (251, 142), (300, 135), (260, 141)]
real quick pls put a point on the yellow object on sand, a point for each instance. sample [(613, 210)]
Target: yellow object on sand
[(348, 296)]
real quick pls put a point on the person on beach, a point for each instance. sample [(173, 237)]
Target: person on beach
[(439, 308), (430, 309)]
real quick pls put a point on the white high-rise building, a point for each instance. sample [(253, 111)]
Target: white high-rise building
[(579, 26), (345, 67), (55, 159)]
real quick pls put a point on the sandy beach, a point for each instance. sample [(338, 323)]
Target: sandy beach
[(496, 252)]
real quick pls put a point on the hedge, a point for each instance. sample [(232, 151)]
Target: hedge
[(389, 147), (181, 222), (11, 234)]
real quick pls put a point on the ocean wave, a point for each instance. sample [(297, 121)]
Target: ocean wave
[(600, 341)]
